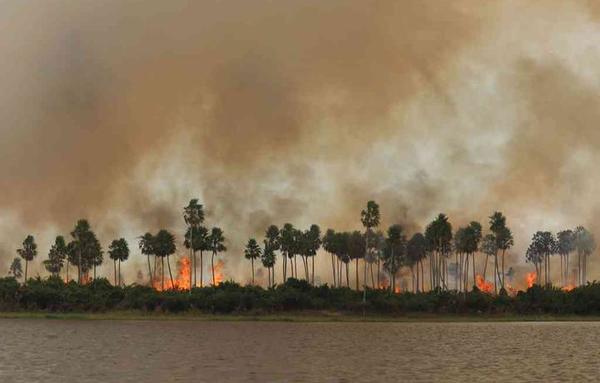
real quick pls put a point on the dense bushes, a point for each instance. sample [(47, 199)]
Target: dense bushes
[(54, 295)]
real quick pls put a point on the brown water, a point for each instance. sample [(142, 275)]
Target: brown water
[(177, 351)]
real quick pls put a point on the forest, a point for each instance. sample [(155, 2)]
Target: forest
[(437, 270)]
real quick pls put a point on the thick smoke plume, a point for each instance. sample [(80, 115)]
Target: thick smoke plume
[(295, 111)]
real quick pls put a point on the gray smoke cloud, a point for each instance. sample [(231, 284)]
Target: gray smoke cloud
[(295, 111)]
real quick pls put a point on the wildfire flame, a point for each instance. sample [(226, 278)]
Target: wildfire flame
[(219, 272), (483, 285), (182, 280), (531, 278), (568, 287)]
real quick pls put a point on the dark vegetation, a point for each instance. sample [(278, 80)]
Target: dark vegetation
[(53, 295)]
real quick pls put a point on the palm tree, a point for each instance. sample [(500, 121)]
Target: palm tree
[(329, 244), (286, 239), (252, 252), (28, 251), (273, 241), (542, 246), (585, 245), (80, 234), (416, 251), (356, 250), (370, 218), (394, 252), (489, 248), (216, 242), (146, 246), (193, 215), (118, 251), (313, 243), (16, 268), (268, 261), (439, 236), (164, 246), (504, 241), (199, 236), (565, 245), (56, 256)]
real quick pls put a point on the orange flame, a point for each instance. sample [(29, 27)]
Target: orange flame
[(182, 280), (531, 278), (219, 272), (483, 285), (568, 287)]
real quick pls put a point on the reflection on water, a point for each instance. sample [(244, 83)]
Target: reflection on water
[(177, 351)]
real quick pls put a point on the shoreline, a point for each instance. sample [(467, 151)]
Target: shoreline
[(296, 317)]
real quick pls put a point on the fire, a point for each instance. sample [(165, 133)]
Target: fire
[(397, 290), (219, 272), (182, 280), (568, 287), (483, 285), (531, 278), (85, 278)]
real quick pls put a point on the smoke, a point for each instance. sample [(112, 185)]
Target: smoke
[(295, 111)]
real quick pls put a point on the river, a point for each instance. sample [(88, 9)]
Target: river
[(33, 350)]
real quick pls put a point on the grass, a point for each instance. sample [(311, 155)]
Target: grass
[(301, 317)]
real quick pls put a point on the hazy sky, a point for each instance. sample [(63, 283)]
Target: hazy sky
[(300, 111)]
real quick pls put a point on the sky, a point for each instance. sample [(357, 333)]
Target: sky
[(296, 111)]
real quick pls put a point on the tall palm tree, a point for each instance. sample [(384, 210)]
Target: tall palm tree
[(356, 250), (504, 241), (439, 236), (198, 235), (80, 234), (329, 244), (416, 250), (585, 245), (118, 251), (28, 251), (268, 261), (370, 218), (217, 245), (146, 246), (313, 243), (164, 246), (393, 253), (286, 238), (56, 256), (252, 252), (16, 268), (489, 248), (193, 215), (565, 245)]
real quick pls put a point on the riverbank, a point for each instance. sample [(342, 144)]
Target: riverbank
[(294, 300), (301, 317)]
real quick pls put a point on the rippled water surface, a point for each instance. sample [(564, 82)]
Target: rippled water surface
[(178, 351)]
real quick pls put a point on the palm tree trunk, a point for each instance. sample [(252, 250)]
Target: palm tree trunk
[(313, 269), (378, 272), (115, 267), (333, 269), (162, 269), (201, 269), (119, 273), (26, 264), (372, 276), (495, 273), (356, 274), (347, 275), (252, 260), (212, 266), (79, 267), (284, 266), (170, 273), (150, 272), (503, 274)]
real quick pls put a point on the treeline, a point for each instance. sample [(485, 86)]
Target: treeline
[(54, 295), (439, 258)]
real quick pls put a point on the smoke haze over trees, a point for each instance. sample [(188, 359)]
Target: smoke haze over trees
[(295, 112)]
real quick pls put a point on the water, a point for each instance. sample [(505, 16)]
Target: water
[(178, 351)]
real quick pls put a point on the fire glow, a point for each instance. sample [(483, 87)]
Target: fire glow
[(182, 279), (483, 285), (530, 279)]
